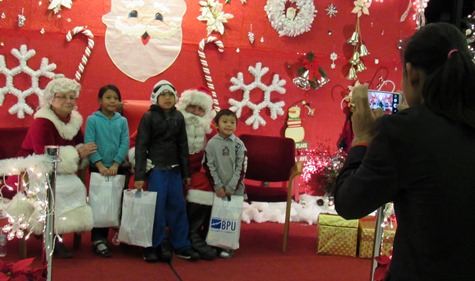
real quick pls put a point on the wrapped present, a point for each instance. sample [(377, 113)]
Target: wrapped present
[(366, 238), (337, 236)]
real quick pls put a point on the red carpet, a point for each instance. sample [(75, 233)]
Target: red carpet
[(259, 258)]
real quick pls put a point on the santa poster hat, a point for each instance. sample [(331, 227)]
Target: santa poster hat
[(161, 87), (200, 96)]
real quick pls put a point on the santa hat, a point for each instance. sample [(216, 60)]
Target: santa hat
[(161, 87), (59, 85), (200, 96)]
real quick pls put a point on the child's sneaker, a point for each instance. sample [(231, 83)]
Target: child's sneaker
[(226, 254)]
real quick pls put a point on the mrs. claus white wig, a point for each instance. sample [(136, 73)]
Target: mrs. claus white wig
[(59, 85)]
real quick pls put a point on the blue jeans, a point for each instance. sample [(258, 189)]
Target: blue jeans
[(170, 209)]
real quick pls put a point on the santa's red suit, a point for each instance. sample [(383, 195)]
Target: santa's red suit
[(199, 194)]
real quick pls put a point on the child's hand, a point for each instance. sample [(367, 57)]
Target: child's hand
[(103, 170), (113, 169), (221, 192), (139, 185)]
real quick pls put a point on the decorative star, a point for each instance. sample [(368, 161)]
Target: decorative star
[(331, 10), (361, 7)]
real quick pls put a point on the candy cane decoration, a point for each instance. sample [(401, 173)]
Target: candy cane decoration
[(204, 66), (87, 51)]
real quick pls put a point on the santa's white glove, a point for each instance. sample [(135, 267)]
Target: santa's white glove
[(149, 165), (131, 155)]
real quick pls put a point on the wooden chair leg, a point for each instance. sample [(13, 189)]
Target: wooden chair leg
[(22, 248), (287, 219), (77, 241)]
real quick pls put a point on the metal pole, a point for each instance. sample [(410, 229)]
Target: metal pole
[(52, 154), (378, 238)]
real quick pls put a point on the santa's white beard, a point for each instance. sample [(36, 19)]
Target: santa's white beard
[(196, 129)]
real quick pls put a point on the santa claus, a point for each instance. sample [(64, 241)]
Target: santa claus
[(196, 105)]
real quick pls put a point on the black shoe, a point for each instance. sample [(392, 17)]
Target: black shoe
[(188, 254), (61, 251), (101, 249), (150, 254), (206, 252), (164, 252)]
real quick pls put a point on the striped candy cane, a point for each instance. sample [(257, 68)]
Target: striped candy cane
[(87, 52), (204, 66)]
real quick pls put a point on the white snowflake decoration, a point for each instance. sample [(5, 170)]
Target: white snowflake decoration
[(212, 13), (275, 108), (23, 55), (331, 10)]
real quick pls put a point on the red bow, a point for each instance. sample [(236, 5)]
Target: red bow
[(312, 67)]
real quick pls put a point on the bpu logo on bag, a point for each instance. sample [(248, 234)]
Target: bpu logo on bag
[(223, 225)]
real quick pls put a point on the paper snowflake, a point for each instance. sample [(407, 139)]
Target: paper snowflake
[(55, 5), (275, 108), (23, 55), (331, 10), (212, 13)]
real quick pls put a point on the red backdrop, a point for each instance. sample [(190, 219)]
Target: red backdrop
[(380, 30)]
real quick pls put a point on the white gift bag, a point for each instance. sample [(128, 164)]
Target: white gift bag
[(225, 223), (138, 214), (105, 195)]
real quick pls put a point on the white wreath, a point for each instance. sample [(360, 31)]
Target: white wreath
[(290, 22)]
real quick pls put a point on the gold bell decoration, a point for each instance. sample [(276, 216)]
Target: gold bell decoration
[(352, 74), (355, 58), (360, 67), (353, 39), (363, 50), (360, 50)]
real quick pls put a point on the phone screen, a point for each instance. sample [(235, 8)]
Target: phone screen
[(388, 101)]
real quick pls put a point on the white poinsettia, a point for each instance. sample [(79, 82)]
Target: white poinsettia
[(361, 7), (212, 13), (55, 5)]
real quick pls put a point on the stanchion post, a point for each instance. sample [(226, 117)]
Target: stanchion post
[(378, 238), (52, 154)]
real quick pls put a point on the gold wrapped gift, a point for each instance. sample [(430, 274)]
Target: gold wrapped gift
[(336, 236), (366, 238)]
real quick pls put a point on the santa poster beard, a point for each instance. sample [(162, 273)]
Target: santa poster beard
[(196, 129), (143, 38)]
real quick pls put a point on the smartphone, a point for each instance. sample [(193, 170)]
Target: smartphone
[(388, 101)]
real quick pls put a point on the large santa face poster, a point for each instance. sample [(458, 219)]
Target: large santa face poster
[(143, 37)]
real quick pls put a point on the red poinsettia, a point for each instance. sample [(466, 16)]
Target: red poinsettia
[(21, 271)]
